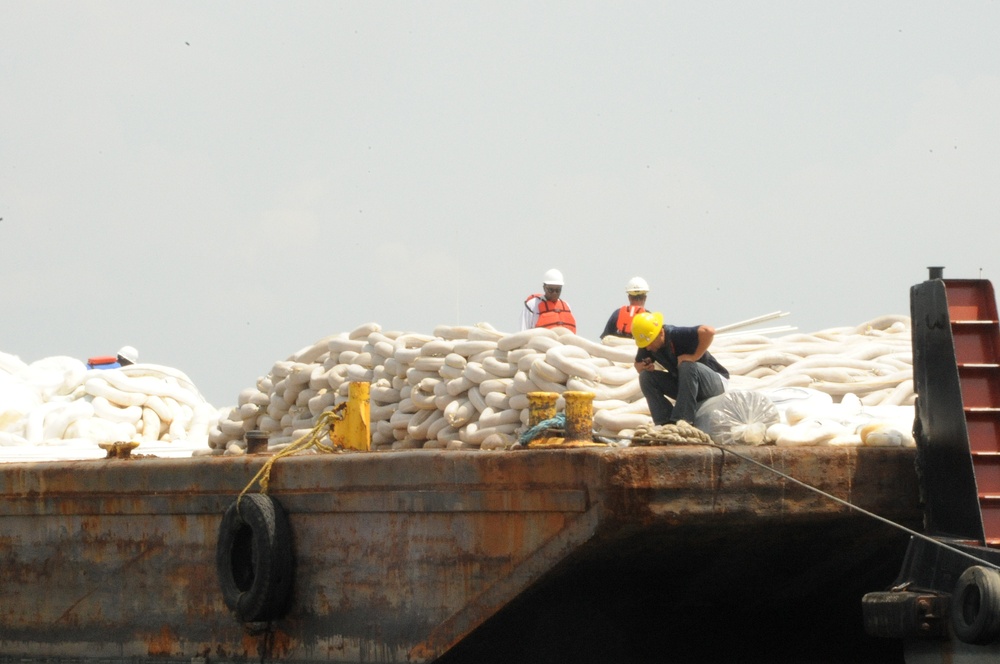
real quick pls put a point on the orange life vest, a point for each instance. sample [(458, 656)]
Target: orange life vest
[(553, 314), (103, 362), (625, 316)]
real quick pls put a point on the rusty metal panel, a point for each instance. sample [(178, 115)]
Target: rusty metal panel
[(397, 556)]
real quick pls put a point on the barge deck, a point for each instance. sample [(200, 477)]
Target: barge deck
[(577, 555)]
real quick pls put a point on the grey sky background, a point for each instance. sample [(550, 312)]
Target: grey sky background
[(221, 184)]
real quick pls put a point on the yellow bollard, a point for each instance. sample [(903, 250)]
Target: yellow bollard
[(541, 407), (354, 430), (579, 419)]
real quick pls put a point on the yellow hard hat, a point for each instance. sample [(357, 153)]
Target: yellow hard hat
[(646, 327)]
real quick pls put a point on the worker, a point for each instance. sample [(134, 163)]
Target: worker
[(674, 362), (548, 310), (620, 323), (126, 355)]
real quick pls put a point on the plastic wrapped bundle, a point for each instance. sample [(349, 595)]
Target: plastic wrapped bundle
[(740, 417)]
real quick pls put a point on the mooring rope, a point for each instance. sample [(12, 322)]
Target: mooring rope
[(322, 428), (557, 423)]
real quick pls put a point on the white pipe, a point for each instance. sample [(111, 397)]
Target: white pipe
[(764, 330), (751, 321)]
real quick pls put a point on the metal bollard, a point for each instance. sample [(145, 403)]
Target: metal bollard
[(256, 441), (541, 407), (579, 416), (354, 431)]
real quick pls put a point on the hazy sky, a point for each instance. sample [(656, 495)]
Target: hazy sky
[(220, 184)]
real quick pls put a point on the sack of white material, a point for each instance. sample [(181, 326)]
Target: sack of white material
[(739, 417)]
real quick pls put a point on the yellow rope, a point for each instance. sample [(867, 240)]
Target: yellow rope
[(321, 430)]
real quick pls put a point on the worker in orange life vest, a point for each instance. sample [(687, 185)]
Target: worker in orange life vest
[(620, 323), (548, 310)]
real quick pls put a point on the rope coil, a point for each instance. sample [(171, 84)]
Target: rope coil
[(666, 434), (555, 424)]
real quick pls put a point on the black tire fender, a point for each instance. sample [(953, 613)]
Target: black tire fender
[(254, 558), (975, 605)]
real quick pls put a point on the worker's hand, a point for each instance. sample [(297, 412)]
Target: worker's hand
[(686, 358), (644, 365)]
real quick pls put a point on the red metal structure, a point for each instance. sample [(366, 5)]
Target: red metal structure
[(945, 603), (972, 313)]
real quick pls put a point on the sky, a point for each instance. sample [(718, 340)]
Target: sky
[(222, 184)]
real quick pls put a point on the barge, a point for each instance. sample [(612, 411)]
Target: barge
[(559, 554)]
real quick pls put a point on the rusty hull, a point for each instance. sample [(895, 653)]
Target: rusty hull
[(400, 556)]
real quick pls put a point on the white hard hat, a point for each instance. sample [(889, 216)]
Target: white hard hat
[(553, 278), (636, 286), (128, 353)]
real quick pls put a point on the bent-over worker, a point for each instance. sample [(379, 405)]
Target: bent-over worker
[(689, 375)]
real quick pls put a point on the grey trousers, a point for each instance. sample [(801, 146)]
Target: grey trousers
[(694, 383)]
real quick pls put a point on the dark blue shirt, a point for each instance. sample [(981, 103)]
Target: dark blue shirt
[(680, 341)]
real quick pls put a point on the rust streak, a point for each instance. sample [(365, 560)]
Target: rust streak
[(162, 644)]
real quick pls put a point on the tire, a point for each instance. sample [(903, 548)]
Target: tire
[(254, 558), (975, 606)]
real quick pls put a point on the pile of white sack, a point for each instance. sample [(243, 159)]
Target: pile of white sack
[(466, 387), (57, 408)]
